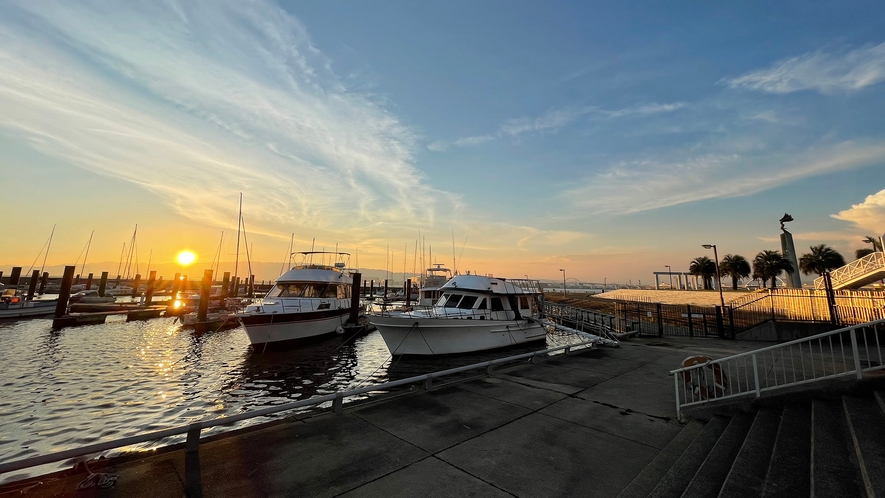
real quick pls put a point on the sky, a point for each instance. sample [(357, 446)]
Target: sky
[(603, 141)]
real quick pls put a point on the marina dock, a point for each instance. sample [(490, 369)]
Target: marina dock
[(584, 424)]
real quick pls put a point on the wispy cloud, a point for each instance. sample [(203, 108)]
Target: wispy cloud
[(869, 215), (645, 184), (196, 102), (826, 72), (551, 121)]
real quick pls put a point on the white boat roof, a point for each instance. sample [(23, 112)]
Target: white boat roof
[(315, 273), (488, 285)]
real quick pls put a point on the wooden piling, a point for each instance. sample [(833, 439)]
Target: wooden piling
[(371, 288), (251, 286), (176, 286), (135, 284), (205, 288), (14, 276), (103, 283), (225, 284), (149, 295), (408, 289), (236, 291), (89, 281), (43, 281), (32, 284), (65, 293), (355, 299), (1, 276), (384, 296)]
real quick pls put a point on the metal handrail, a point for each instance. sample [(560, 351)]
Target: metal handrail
[(855, 269), (337, 399), (739, 374)]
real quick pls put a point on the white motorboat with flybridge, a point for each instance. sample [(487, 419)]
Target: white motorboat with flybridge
[(313, 298), (474, 313), (431, 287)]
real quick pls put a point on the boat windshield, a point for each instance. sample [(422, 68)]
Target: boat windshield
[(310, 290)]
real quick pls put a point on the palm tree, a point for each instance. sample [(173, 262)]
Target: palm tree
[(770, 264), (704, 267), (734, 266), (877, 246), (860, 253), (820, 260)]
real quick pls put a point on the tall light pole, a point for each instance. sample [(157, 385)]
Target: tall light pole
[(670, 273), (718, 279), (563, 280)]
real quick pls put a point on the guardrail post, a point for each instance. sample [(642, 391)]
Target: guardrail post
[(428, 382), (192, 445), (756, 376), (338, 404), (858, 373)]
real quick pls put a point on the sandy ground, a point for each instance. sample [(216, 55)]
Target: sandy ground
[(699, 298)]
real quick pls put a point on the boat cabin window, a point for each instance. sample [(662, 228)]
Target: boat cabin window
[(482, 304), (302, 289), (497, 305), (523, 303), (451, 300), (468, 302), (286, 290)]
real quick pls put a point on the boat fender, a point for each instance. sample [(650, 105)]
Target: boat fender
[(339, 330), (720, 380)]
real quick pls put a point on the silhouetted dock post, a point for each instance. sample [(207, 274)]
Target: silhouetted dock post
[(371, 288), (408, 290), (135, 284), (43, 281), (236, 291), (117, 281), (385, 290), (65, 293), (32, 284), (15, 276), (225, 284), (1, 276), (205, 288), (89, 281), (251, 286), (77, 279), (103, 283), (176, 282), (149, 295), (355, 299)]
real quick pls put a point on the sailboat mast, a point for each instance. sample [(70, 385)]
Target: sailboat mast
[(83, 268), (47, 249), (239, 224)]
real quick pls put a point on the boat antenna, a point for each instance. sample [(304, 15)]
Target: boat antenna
[(48, 245), (83, 267), (120, 264), (239, 223), (462, 248), (216, 261), (454, 263), (312, 245), (289, 252), (150, 258)]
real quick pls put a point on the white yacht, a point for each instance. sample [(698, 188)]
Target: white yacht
[(474, 313), (311, 299), (14, 305)]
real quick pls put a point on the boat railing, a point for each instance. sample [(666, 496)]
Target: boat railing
[(334, 401), (423, 311)]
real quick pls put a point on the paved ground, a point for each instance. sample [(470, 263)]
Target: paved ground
[(579, 425)]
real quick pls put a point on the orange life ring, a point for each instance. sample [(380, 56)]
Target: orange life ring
[(720, 380)]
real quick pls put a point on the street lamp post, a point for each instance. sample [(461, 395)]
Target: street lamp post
[(670, 273), (718, 278), (563, 280)]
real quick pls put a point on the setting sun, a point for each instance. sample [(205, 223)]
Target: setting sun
[(185, 258)]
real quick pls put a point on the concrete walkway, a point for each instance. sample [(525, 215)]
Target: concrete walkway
[(579, 425)]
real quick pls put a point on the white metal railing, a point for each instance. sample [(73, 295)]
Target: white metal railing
[(868, 264), (603, 324), (838, 353), (335, 401)]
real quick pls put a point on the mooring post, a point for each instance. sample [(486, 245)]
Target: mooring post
[(251, 286), (89, 282), (205, 288), (65, 293), (355, 299), (103, 283), (14, 276), (43, 281), (135, 284), (225, 283), (371, 288), (77, 279), (1, 276), (149, 295), (32, 284), (236, 287), (408, 289), (385, 290)]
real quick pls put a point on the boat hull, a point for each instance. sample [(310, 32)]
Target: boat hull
[(265, 328), (29, 309), (435, 336)]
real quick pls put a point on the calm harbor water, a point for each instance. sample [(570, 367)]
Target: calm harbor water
[(82, 385)]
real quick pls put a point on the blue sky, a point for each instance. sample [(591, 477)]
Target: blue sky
[(609, 139)]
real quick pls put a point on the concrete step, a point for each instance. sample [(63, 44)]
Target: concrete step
[(651, 475), (834, 469), (789, 471), (680, 474), (712, 473), (747, 475), (866, 424)]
